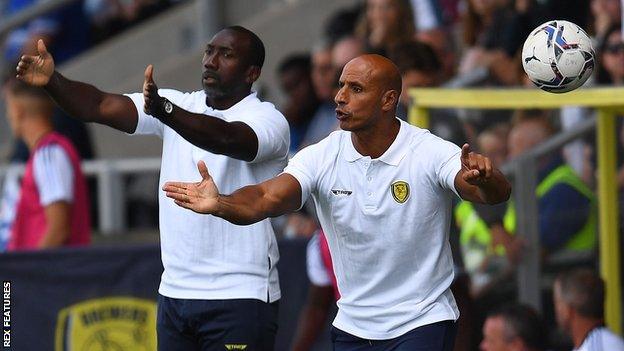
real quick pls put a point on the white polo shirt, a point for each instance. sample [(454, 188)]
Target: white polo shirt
[(206, 257), (602, 339), (387, 225)]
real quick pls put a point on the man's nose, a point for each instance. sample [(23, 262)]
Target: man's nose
[(210, 61), (340, 97)]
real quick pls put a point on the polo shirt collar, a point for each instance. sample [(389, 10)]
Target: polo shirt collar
[(237, 106), (392, 156)]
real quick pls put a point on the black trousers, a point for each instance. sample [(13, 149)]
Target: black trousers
[(206, 325), (438, 336)]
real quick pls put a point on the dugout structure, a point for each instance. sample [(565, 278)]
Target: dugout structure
[(609, 103)]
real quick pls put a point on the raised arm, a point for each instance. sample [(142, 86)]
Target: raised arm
[(478, 181), (80, 100), (246, 205), (233, 139)]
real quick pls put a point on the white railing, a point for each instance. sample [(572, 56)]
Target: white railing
[(111, 205)]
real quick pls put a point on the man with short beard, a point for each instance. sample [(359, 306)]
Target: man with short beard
[(217, 275)]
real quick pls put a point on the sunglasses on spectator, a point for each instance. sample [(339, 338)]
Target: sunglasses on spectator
[(614, 48)]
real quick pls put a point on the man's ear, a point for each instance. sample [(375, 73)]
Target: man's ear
[(253, 73), (389, 100)]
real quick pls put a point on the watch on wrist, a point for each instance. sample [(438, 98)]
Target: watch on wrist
[(167, 107)]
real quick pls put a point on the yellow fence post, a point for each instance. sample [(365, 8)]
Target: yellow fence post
[(418, 116), (609, 238), (606, 101)]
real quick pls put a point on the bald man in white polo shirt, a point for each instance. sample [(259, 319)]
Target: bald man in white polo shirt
[(383, 191)]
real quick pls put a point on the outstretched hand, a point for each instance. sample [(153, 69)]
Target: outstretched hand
[(476, 169), (150, 92), (36, 69), (201, 197)]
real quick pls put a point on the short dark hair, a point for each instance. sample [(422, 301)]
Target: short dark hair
[(256, 46), (300, 62), (584, 291), (522, 321), (602, 76), (416, 55), (342, 23)]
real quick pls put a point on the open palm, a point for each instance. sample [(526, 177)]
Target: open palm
[(36, 70), (201, 197)]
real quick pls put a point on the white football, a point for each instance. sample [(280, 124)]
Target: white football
[(558, 56)]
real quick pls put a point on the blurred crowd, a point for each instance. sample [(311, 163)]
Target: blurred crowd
[(470, 43), (434, 43), (72, 28)]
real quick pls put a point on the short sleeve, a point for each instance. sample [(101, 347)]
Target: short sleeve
[(54, 175), (314, 263), (448, 163), (271, 129), (146, 124), (304, 167)]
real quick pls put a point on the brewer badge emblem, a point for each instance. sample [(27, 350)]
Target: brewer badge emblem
[(400, 191), (109, 323)]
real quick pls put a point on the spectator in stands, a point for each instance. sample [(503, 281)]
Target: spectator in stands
[(322, 293), (344, 50), (386, 24), (106, 18), (481, 226), (491, 41), (64, 31), (611, 57), (342, 23), (610, 71), (53, 207), (567, 207), (433, 20), (70, 128), (605, 13), (579, 298), (295, 80), (420, 67), (514, 328), (324, 80)]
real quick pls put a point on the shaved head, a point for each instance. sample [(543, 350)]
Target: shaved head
[(383, 71), (370, 86)]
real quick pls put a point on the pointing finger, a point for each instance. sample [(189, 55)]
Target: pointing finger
[(465, 150)]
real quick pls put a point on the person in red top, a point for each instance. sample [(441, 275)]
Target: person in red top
[(53, 206)]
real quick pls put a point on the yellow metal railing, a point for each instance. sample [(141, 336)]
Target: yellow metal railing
[(607, 101)]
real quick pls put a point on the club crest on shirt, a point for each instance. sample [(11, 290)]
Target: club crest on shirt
[(400, 191)]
